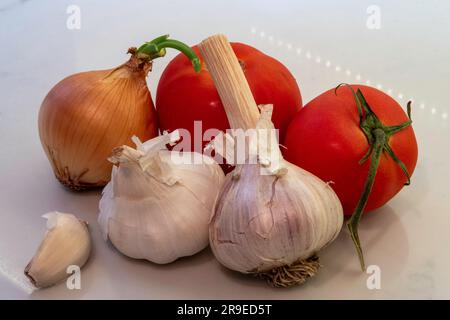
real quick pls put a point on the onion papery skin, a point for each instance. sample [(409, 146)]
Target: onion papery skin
[(88, 114)]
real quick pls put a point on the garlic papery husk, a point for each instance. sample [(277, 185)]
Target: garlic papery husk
[(156, 208), (271, 217), (66, 243)]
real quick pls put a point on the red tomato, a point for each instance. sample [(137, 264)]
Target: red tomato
[(184, 96), (325, 138)]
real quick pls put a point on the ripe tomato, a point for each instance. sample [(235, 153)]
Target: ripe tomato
[(361, 140), (325, 138), (184, 96)]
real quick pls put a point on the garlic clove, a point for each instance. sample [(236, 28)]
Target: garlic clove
[(66, 242)]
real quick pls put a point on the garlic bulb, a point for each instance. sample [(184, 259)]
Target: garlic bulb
[(271, 217), (67, 242), (156, 208)]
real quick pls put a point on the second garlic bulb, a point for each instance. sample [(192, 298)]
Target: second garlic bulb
[(156, 209)]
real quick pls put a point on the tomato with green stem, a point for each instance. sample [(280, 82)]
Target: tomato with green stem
[(359, 139)]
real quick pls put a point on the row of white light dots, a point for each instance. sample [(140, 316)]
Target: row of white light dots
[(337, 68)]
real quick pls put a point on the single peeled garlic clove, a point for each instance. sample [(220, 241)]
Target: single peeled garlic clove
[(67, 242)]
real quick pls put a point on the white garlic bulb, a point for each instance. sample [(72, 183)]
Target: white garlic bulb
[(271, 217), (155, 208)]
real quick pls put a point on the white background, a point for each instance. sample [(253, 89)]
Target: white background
[(408, 238)]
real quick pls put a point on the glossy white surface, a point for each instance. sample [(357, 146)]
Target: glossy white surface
[(408, 238)]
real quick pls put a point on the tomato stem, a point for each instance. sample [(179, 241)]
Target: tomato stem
[(377, 135), (353, 222), (157, 48)]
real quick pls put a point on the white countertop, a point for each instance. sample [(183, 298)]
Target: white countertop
[(408, 238)]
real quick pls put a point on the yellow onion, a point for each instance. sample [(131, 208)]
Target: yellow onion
[(88, 114)]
